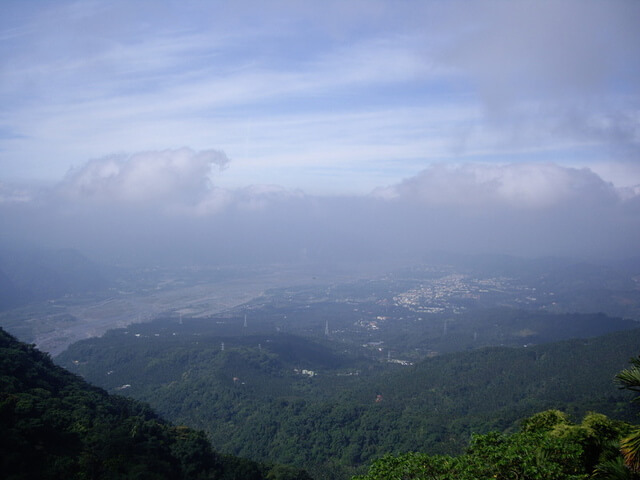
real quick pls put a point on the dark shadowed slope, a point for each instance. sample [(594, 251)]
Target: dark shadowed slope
[(55, 425)]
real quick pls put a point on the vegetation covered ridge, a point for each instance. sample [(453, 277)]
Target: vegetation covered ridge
[(548, 446), (253, 398), (54, 425)]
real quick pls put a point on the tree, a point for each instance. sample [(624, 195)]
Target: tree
[(630, 445)]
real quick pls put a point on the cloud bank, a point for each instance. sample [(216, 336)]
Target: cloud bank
[(179, 177), (165, 207), (522, 186)]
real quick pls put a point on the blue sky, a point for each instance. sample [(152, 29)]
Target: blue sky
[(329, 97), (197, 107)]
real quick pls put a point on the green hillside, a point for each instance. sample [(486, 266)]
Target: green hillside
[(548, 447), (54, 426), (254, 399)]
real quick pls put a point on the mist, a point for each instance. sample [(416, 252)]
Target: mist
[(114, 211)]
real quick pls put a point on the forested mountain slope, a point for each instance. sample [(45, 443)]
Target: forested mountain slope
[(54, 425), (548, 447), (253, 397)]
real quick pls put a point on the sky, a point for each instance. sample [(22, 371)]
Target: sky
[(297, 130)]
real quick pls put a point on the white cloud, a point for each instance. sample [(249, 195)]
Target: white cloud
[(168, 178), (520, 186), (160, 206), (567, 68), (176, 182)]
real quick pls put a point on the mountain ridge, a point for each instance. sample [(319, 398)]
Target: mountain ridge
[(55, 425)]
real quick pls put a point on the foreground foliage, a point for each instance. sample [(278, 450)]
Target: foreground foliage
[(548, 446), (630, 379), (54, 425)]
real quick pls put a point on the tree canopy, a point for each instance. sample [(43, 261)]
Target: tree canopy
[(54, 425)]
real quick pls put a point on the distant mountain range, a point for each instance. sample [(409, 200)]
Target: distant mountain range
[(29, 275)]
